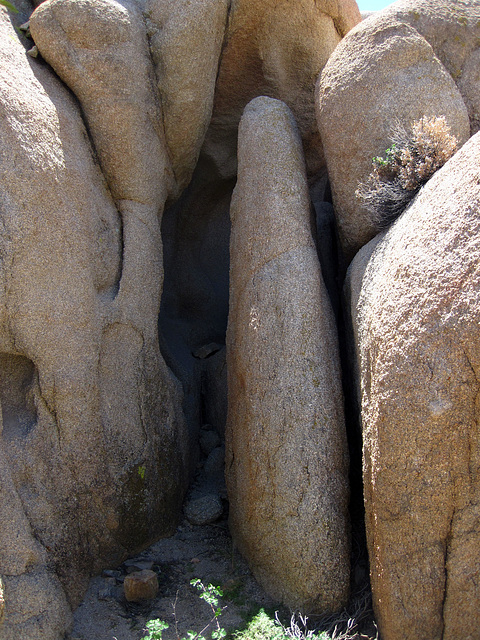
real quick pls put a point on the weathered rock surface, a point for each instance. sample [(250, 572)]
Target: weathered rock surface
[(94, 454), (384, 72), (277, 49), (286, 459), (99, 48), (453, 31), (186, 39), (91, 426), (416, 308)]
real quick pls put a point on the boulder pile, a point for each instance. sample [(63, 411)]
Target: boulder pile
[(189, 276)]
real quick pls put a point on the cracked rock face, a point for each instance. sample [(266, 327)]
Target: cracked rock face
[(86, 399), (98, 438), (415, 307), (286, 458)]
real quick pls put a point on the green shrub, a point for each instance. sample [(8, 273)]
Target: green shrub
[(409, 162), (9, 5), (155, 629), (210, 594), (263, 627)]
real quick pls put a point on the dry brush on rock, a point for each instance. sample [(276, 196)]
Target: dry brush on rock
[(412, 158)]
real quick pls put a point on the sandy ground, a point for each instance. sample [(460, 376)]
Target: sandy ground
[(204, 552)]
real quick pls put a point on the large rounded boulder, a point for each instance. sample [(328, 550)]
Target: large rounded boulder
[(415, 300), (383, 74), (452, 28)]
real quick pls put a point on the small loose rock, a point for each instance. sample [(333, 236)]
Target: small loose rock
[(206, 350), (214, 469), (25, 27), (137, 565), (204, 510), (140, 585), (209, 440), (108, 592), (33, 52), (111, 573)]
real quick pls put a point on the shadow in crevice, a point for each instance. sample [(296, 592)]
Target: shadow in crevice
[(17, 379), (358, 615), (194, 308)]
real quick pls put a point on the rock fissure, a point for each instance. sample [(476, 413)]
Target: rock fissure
[(447, 545), (288, 253)]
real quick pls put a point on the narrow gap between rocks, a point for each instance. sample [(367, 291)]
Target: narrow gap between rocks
[(192, 326)]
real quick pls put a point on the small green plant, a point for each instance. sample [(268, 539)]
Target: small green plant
[(411, 160), (390, 157), (155, 629), (264, 627), (9, 5), (261, 627), (210, 594)]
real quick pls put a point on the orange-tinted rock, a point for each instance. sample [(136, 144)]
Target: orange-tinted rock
[(140, 585), (275, 48)]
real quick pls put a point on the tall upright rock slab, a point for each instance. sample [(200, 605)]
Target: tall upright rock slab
[(416, 309), (286, 460)]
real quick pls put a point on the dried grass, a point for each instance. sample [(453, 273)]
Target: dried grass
[(349, 624), (410, 162)]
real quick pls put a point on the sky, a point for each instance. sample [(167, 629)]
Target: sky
[(373, 5)]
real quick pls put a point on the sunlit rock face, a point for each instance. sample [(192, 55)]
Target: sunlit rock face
[(287, 461), (383, 75), (414, 296), (93, 439), (123, 259), (99, 436)]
